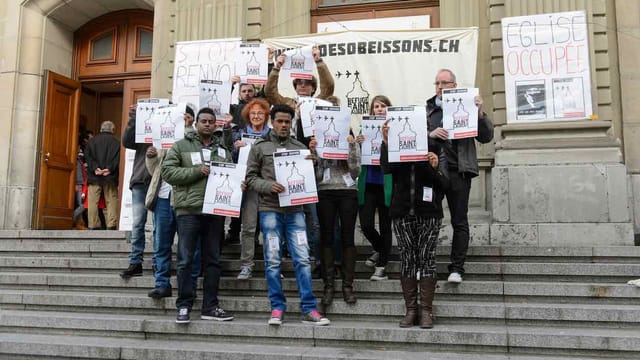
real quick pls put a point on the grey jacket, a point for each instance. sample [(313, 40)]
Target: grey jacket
[(466, 148), (338, 169), (261, 174)]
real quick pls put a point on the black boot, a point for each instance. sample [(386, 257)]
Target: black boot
[(410, 293), (348, 274), (427, 291), (328, 273), (132, 270)]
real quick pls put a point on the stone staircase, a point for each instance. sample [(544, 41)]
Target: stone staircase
[(61, 297)]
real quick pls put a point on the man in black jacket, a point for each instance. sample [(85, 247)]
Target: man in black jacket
[(462, 164), (139, 184), (103, 162)]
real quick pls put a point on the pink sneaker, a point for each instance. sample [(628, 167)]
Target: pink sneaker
[(276, 317), (315, 318)]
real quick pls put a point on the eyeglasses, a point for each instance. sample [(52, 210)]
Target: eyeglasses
[(210, 121), (443, 83), (257, 113)]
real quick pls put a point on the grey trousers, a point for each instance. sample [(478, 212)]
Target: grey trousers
[(249, 233)]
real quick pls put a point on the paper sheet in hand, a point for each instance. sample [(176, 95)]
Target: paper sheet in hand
[(251, 63), (459, 112), (407, 133), (372, 131), (170, 127), (243, 153), (298, 63), (332, 128), (307, 109), (297, 176), (144, 114), (216, 95), (223, 195)]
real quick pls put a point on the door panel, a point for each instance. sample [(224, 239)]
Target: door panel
[(55, 198)]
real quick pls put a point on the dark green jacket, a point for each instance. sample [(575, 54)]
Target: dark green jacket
[(362, 184), (179, 170)]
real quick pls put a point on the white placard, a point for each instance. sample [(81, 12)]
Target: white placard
[(144, 115), (126, 203), (223, 195), (243, 153), (171, 126), (546, 67), (298, 63), (460, 113), (297, 175), (407, 133), (307, 108), (372, 131), (332, 128), (216, 95), (251, 63), (417, 22)]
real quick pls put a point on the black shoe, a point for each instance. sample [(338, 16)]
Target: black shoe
[(132, 270), (217, 313), (183, 316), (160, 292), (232, 239), (111, 228)]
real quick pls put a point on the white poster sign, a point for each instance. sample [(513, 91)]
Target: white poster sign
[(251, 63), (407, 133), (417, 22), (144, 114), (170, 125), (297, 175), (298, 63), (399, 64), (223, 195), (126, 202), (307, 108), (332, 128), (372, 131), (243, 153), (201, 60), (216, 95), (459, 112), (546, 67)]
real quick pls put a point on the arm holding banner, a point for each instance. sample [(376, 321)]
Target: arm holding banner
[(129, 134), (175, 174), (271, 88), (485, 125), (327, 84), (354, 159)]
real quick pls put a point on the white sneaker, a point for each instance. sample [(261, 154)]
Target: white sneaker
[(455, 278), (634, 282), (379, 274), (245, 273)]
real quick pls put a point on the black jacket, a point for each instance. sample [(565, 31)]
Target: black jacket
[(103, 151), (140, 175), (409, 180), (466, 148)]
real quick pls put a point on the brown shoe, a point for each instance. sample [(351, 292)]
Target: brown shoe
[(410, 293), (427, 291)]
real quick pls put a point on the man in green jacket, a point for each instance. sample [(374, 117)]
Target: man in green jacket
[(186, 168)]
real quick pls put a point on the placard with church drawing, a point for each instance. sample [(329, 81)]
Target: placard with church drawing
[(251, 63), (216, 95), (307, 108), (372, 131), (298, 63), (297, 175), (144, 121), (459, 112), (407, 133), (332, 125), (223, 195), (168, 125)]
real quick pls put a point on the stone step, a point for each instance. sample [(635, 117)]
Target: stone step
[(447, 310), (621, 343), (37, 346)]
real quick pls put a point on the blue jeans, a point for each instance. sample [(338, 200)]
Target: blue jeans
[(139, 217), (275, 228), (207, 230)]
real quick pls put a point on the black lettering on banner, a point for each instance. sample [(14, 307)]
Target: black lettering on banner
[(322, 48), (362, 48), (406, 45), (351, 48), (387, 47)]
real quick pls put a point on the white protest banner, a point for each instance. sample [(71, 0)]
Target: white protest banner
[(459, 112), (298, 63), (251, 63), (307, 108), (126, 202), (201, 60), (297, 175), (223, 196), (171, 127), (216, 95), (332, 128), (243, 153), (372, 131), (144, 113), (407, 133), (399, 64), (546, 67)]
